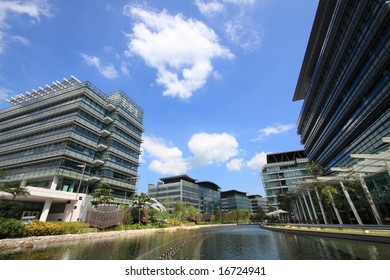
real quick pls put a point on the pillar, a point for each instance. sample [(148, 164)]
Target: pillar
[(370, 200), (303, 210), (307, 207), (320, 204), (54, 182), (312, 206), (45, 211), (355, 212)]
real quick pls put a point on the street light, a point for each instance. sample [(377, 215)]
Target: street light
[(82, 166)]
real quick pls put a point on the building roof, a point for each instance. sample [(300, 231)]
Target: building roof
[(285, 156), (231, 193), (313, 51), (209, 185), (177, 178)]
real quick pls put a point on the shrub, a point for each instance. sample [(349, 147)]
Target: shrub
[(72, 227), (38, 228), (11, 228)]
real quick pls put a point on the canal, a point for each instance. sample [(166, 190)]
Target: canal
[(246, 242)]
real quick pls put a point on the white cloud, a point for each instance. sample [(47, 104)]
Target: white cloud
[(4, 93), (278, 129), (180, 49), (212, 148), (235, 164), (243, 35), (107, 71), (210, 7), (33, 8), (257, 162), (273, 130), (21, 39), (241, 2), (169, 160)]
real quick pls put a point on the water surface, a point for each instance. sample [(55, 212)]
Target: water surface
[(248, 242)]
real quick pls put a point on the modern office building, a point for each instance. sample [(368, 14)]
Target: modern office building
[(281, 173), (234, 200), (345, 82), (60, 141), (258, 203), (203, 195)]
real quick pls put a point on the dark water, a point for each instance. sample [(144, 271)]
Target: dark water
[(218, 243)]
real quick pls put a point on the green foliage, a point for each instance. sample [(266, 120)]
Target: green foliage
[(179, 210), (73, 227), (315, 169), (331, 194), (102, 194), (11, 228), (141, 202), (158, 218), (233, 216), (9, 208)]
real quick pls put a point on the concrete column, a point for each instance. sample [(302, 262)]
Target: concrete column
[(54, 183), (296, 209), (303, 210), (307, 207), (355, 212), (312, 206), (23, 183), (370, 200), (45, 211), (335, 209), (320, 204)]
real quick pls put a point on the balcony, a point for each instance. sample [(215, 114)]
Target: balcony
[(111, 107), (93, 179), (104, 133), (107, 120), (97, 162), (101, 147)]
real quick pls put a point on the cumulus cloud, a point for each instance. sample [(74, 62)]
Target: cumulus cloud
[(258, 161), (34, 9), (212, 148), (180, 49), (107, 71), (209, 7), (169, 160), (235, 164)]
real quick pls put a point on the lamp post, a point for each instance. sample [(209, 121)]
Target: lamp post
[(82, 166)]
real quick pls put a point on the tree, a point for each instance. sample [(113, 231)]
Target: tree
[(8, 207), (317, 170), (141, 203), (179, 210), (102, 194)]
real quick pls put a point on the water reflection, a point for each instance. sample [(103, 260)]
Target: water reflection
[(219, 243)]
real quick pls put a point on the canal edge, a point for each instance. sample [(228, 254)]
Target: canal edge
[(349, 236)]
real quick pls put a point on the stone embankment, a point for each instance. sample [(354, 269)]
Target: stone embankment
[(17, 244)]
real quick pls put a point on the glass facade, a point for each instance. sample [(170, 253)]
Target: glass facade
[(47, 136), (345, 82), (282, 172), (205, 196), (234, 200)]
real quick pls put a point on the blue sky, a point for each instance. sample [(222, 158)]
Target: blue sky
[(215, 78)]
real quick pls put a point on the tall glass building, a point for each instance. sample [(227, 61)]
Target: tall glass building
[(281, 173), (345, 82), (60, 141), (203, 195)]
